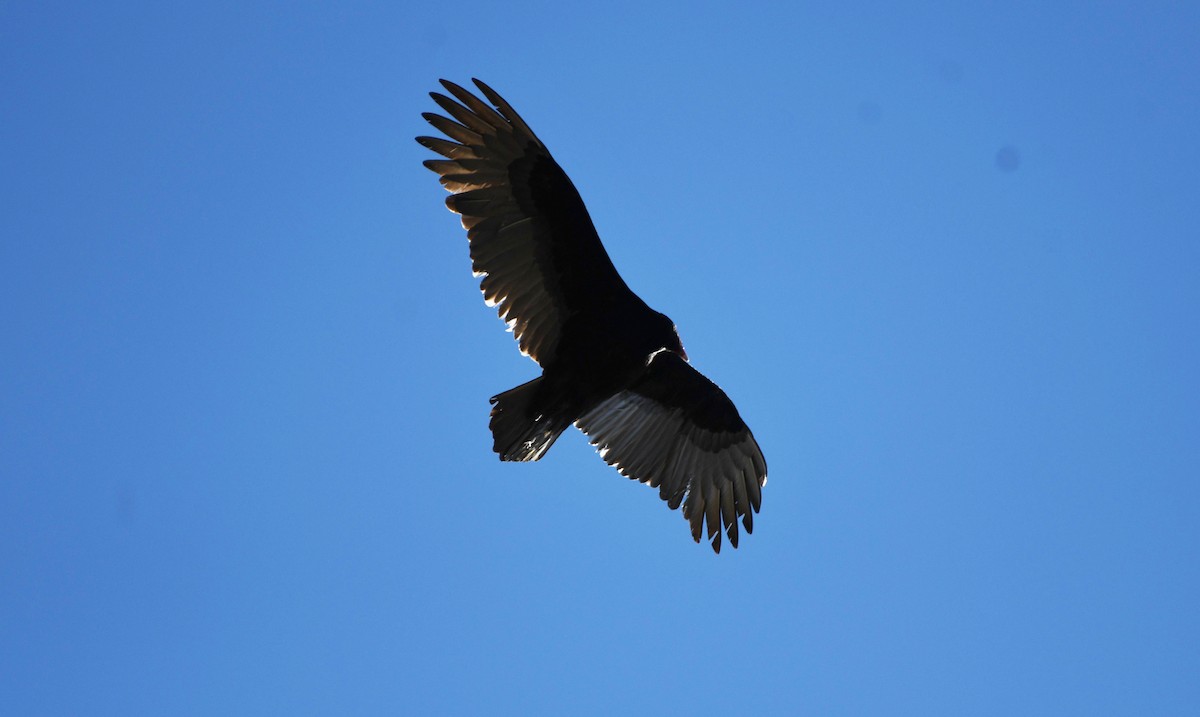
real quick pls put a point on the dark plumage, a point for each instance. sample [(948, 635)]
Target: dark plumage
[(610, 364)]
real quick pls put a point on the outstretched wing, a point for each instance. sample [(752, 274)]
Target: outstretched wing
[(677, 431), (530, 234)]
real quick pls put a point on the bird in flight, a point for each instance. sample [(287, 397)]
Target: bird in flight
[(610, 364)]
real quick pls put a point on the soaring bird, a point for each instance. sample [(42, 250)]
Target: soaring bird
[(610, 364)]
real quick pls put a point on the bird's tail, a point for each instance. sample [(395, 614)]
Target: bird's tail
[(521, 430)]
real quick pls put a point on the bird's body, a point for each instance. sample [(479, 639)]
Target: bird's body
[(610, 364)]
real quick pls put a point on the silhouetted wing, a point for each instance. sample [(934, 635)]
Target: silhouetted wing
[(531, 237), (677, 431)]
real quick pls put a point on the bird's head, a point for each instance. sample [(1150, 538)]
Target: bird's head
[(670, 334), (676, 344)]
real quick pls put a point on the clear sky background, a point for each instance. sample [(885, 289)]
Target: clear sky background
[(945, 260)]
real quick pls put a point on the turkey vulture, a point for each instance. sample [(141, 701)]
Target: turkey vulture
[(610, 364)]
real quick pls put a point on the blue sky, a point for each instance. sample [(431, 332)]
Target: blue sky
[(944, 259)]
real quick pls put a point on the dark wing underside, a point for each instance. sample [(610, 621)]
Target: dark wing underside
[(530, 234), (677, 431)]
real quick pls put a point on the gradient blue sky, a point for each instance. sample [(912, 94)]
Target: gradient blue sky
[(944, 258)]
